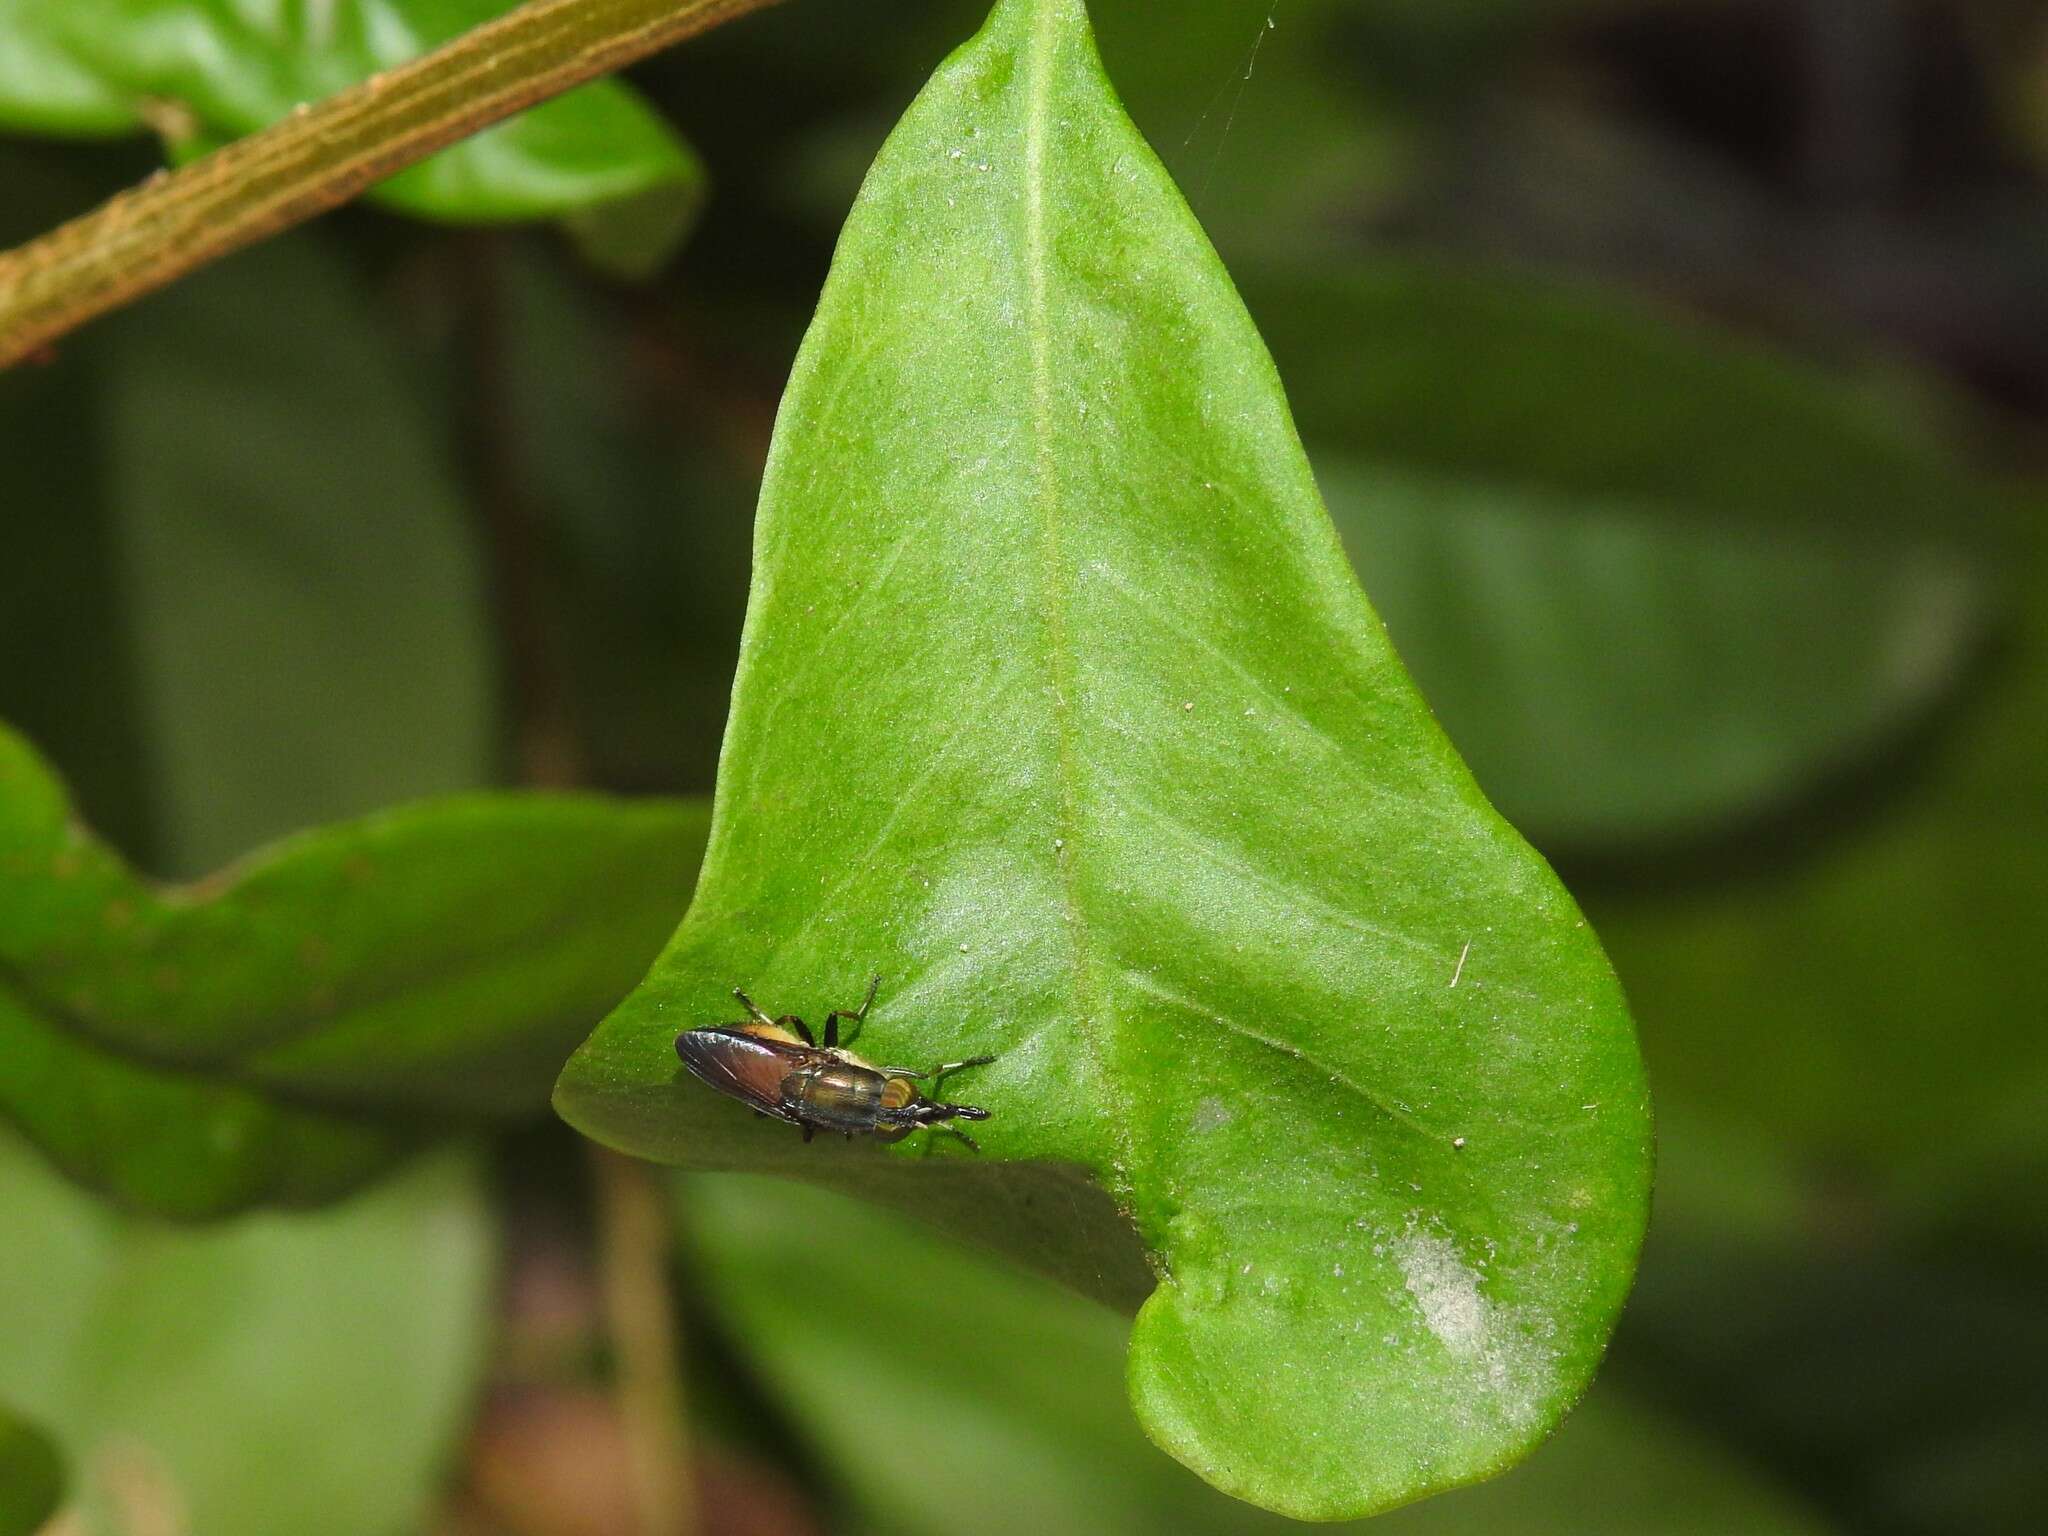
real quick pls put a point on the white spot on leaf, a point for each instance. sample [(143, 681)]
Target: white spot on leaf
[(1445, 1290), (1511, 1368)]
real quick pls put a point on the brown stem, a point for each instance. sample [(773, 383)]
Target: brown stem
[(323, 155), (633, 1247), (633, 1240)]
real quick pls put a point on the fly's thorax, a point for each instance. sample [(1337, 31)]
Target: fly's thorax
[(836, 1094)]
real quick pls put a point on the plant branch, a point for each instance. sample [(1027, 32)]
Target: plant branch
[(634, 1240), (321, 156)]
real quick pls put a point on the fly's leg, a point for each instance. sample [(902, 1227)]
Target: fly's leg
[(923, 1114), (935, 1073), (858, 1015), (789, 1023), (939, 1072)]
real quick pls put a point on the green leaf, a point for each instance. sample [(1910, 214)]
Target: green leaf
[(1060, 709), (45, 88), (289, 632), (1650, 578), (437, 956), (300, 599), (1023, 1383), (204, 573), (31, 1477), (183, 1145), (91, 66), (1871, 1003), (305, 1374)]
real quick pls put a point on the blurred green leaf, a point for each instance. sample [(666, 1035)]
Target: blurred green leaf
[(31, 1476), (1650, 578), (101, 66), (1004, 1409), (1871, 1004), (243, 579), (1904, 1380), (179, 1144), (304, 1374), (288, 630), (44, 87), (437, 960), (239, 589), (301, 602), (1060, 708)]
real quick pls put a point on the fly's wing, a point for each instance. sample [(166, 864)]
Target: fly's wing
[(742, 1065)]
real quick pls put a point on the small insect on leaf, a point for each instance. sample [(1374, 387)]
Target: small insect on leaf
[(778, 1069)]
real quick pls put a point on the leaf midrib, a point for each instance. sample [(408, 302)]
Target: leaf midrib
[(1090, 999)]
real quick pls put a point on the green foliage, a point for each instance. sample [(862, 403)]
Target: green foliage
[(107, 66), (31, 1476), (240, 559), (295, 579), (1650, 578), (303, 1374), (1906, 952), (1059, 707), (254, 606), (263, 1036), (1730, 624), (1010, 1395)]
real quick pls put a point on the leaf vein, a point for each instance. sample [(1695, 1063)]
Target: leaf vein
[(1405, 1118), (1092, 1009)]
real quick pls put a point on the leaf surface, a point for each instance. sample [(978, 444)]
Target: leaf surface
[(95, 66), (281, 1031), (1060, 708)]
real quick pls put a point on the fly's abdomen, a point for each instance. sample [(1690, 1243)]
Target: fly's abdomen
[(836, 1097)]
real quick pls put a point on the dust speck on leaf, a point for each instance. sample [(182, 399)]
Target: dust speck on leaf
[(1211, 1114)]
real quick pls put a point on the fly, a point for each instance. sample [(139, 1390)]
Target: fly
[(776, 1068)]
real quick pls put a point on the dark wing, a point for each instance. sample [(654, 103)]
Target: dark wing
[(743, 1066)]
